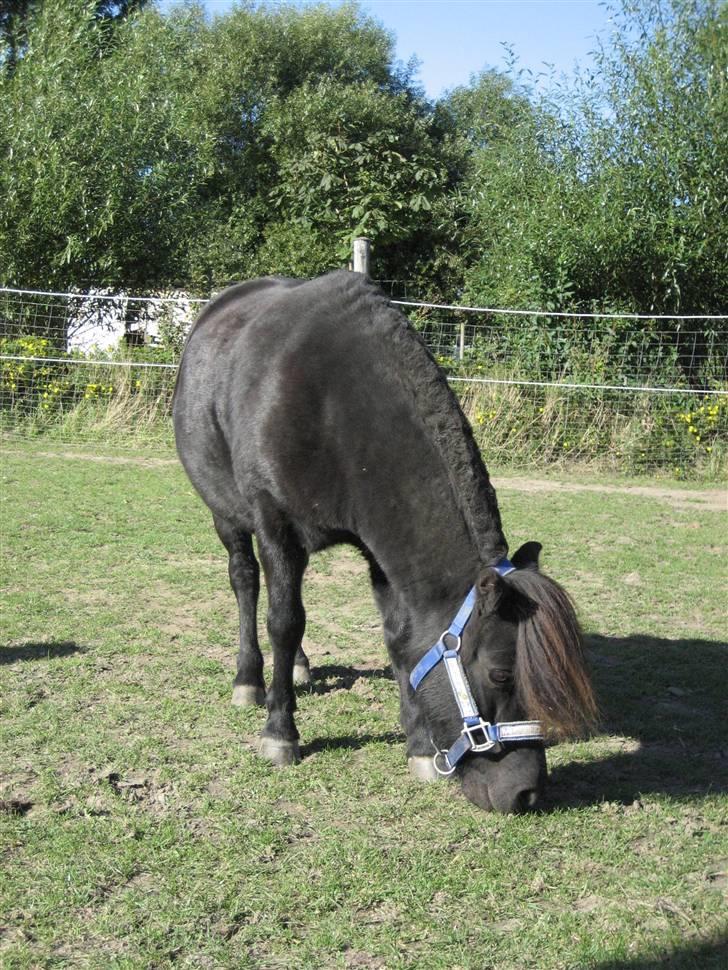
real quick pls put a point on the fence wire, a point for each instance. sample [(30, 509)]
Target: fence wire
[(616, 391)]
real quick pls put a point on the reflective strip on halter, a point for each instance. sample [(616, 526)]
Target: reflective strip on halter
[(460, 685), (517, 731), (490, 735)]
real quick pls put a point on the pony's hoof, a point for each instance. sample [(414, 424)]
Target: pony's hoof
[(278, 752), (301, 674), (248, 695), (422, 768)]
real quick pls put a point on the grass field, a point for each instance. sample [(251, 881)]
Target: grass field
[(138, 828)]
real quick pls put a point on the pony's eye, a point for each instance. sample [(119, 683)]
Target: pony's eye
[(502, 677)]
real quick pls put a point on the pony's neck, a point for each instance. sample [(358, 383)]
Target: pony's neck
[(430, 558)]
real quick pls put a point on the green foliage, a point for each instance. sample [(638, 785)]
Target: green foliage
[(141, 149), (105, 397), (320, 136), (610, 193), (632, 433), (100, 164), (59, 393), (351, 161)]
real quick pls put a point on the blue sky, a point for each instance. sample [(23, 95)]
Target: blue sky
[(455, 38)]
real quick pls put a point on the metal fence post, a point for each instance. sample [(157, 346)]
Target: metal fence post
[(362, 253)]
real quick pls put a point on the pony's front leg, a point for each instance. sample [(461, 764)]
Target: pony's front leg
[(284, 562), (420, 750), (396, 624)]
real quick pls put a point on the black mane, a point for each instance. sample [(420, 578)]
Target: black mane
[(434, 403)]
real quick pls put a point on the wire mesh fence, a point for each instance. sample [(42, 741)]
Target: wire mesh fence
[(620, 392)]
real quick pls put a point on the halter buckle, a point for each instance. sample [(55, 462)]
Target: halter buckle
[(478, 736)]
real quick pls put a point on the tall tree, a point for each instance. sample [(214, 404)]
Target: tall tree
[(613, 192), (15, 16), (100, 164)]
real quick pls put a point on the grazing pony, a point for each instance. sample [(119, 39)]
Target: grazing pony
[(311, 413)]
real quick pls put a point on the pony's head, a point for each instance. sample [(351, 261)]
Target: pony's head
[(523, 660)]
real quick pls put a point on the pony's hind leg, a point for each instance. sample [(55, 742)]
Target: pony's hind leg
[(244, 572), (284, 561)]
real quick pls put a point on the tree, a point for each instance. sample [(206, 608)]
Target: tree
[(661, 149), (100, 163), (612, 193), (141, 149), (15, 16), (319, 134)]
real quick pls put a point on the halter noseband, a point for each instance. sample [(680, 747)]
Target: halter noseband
[(476, 734)]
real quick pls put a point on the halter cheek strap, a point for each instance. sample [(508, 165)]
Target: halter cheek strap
[(476, 734)]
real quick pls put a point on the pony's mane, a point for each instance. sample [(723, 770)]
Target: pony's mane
[(551, 674), (436, 406)]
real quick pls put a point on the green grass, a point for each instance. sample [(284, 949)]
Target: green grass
[(139, 829)]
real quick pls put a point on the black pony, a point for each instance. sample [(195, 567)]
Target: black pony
[(309, 414)]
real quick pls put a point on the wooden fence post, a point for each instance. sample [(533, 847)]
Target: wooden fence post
[(362, 252)]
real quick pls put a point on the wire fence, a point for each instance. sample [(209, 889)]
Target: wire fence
[(623, 391)]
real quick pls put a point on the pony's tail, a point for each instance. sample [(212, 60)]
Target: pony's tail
[(551, 673)]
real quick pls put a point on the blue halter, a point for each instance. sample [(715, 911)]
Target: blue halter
[(476, 734)]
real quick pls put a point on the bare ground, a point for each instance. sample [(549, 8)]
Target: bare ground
[(713, 499)]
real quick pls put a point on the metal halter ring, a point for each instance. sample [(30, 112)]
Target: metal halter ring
[(441, 771), (458, 640)]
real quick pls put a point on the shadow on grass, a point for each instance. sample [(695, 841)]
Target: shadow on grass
[(333, 677), (667, 698), (699, 956), (39, 651), (350, 742)]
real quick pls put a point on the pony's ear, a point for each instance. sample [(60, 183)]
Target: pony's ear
[(490, 590), (527, 556)]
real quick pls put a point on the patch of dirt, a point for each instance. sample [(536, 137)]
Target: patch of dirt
[(70, 770), (587, 904), (102, 459), (385, 912), (87, 597), (143, 882), (632, 579), (712, 499), (359, 958), (511, 925), (137, 787), (293, 809), (15, 806), (717, 878), (177, 615), (351, 565), (17, 795)]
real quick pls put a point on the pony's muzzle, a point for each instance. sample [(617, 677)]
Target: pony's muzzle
[(513, 784)]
